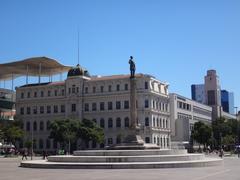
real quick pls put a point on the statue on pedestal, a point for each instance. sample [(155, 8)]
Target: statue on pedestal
[(132, 67)]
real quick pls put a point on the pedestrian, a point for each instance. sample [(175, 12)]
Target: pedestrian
[(44, 154), (221, 153), (24, 154), (238, 151)]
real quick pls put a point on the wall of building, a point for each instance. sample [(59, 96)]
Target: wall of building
[(102, 99)]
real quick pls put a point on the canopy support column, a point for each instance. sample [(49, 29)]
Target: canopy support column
[(27, 76), (40, 72)]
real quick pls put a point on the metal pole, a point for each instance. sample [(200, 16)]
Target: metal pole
[(32, 143), (27, 76), (40, 71), (12, 81)]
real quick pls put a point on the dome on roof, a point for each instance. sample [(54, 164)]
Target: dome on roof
[(78, 71)]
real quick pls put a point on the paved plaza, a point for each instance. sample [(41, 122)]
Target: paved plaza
[(10, 170)]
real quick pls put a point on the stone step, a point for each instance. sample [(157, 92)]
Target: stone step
[(128, 152), (132, 165), (145, 158)]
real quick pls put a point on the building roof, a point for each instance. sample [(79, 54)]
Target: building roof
[(32, 66)]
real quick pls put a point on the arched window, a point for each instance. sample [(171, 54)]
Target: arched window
[(126, 122), (102, 123), (28, 126), (118, 123), (41, 126), (35, 126), (48, 125), (110, 123), (48, 144), (40, 144)]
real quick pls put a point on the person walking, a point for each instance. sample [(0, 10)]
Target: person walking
[(24, 154)]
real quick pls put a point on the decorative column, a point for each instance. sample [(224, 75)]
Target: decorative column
[(133, 108)]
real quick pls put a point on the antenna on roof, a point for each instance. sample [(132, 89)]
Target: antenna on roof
[(78, 47)]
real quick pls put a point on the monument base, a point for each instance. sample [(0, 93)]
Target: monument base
[(133, 142)]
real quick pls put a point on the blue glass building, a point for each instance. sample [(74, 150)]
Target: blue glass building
[(227, 100)]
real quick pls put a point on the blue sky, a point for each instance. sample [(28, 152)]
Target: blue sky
[(176, 41)]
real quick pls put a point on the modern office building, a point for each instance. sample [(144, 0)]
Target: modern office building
[(7, 104), (198, 93), (227, 100), (103, 99), (184, 113), (213, 92)]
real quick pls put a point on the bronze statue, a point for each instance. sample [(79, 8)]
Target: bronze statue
[(132, 67)]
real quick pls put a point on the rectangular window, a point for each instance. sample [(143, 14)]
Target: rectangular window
[(41, 109), (94, 106), (146, 85), (28, 110), (22, 95), (28, 95), (94, 89), (110, 88), (62, 108), (86, 107), (102, 88), (118, 105), (49, 93), (42, 94), (22, 110), (48, 109), (146, 104), (63, 92), (86, 90), (69, 90), (101, 106), (110, 141), (126, 87), (55, 109), (77, 89), (35, 94), (118, 87), (73, 107), (73, 88), (35, 110), (55, 93), (126, 104), (110, 105)]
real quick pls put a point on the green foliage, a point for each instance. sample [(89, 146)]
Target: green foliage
[(202, 133), (228, 140), (64, 130), (28, 144), (90, 131), (12, 133), (225, 131), (69, 130)]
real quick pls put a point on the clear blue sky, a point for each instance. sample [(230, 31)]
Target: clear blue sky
[(176, 41)]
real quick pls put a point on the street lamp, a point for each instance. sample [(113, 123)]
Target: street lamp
[(32, 144), (236, 108)]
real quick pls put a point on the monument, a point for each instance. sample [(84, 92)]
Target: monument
[(133, 153), (133, 140)]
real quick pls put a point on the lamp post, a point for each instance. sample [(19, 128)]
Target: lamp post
[(236, 108), (32, 144)]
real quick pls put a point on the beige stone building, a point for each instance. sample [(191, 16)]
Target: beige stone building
[(103, 99)]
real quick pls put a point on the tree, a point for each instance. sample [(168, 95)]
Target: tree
[(90, 131), (64, 131), (12, 134), (67, 131), (202, 133)]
